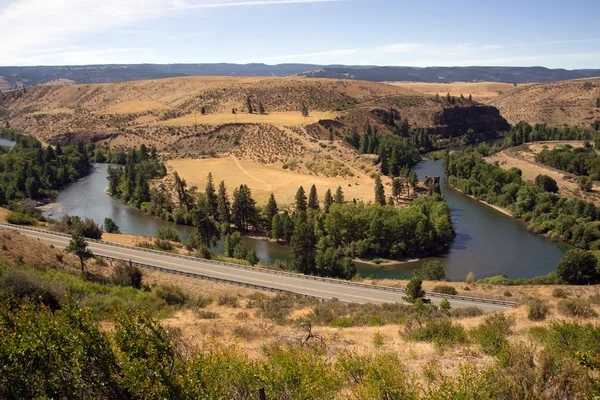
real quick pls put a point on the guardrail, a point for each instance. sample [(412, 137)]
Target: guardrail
[(270, 271)]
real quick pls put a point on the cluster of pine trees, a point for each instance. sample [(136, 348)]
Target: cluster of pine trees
[(396, 149), (32, 171), (130, 183), (522, 132)]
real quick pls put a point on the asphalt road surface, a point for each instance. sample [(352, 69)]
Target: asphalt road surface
[(255, 277)]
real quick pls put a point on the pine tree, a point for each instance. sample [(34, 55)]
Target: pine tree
[(394, 163), (271, 210), (328, 201), (470, 98), (211, 197), (301, 200), (249, 105), (396, 188), (203, 110), (304, 110), (303, 246), (243, 209), (355, 138), (223, 205), (379, 191), (437, 98), (331, 134), (313, 198), (204, 222), (448, 97), (79, 247), (261, 109), (339, 196)]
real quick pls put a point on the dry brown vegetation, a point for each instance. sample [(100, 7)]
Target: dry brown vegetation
[(479, 90), (570, 102)]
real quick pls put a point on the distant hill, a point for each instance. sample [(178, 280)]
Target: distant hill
[(19, 77)]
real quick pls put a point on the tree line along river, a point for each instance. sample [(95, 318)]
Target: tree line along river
[(487, 241)]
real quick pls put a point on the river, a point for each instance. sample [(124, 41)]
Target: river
[(7, 142), (487, 242)]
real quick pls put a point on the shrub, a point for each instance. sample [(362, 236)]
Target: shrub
[(74, 224), (110, 226), (251, 257), (166, 233), (445, 289), (466, 312), (431, 271), (242, 315), (378, 339), (201, 301), (570, 337), (206, 314), (492, 333), (18, 218), (23, 285), (341, 322), (576, 308), (163, 245), (507, 294), (125, 274), (470, 278), (560, 293), (171, 294), (578, 267), (538, 310), (442, 333), (204, 252), (595, 299), (230, 301), (445, 305)]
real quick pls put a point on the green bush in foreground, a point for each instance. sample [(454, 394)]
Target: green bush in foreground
[(492, 333), (18, 218), (538, 310), (442, 333)]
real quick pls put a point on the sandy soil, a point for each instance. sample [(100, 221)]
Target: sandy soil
[(266, 179), (476, 89)]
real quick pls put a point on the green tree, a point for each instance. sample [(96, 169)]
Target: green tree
[(243, 209), (223, 206), (331, 134), (251, 257), (304, 110), (301, 204), (546, 183), (396, 188), (414, 290), (212, 201), (79, 247), (379, 191), (328, 201), (249, 104), (110, 226), (313, 199), (431, 271), (579, 267), (470, 98), (261, 108), (339, 195), (469, 137), (303, 243), (270, 211), (585, 184), (203, 110), (206, 228), (231, 242)]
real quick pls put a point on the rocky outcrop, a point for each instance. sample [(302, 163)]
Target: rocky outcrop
[(455, 121)]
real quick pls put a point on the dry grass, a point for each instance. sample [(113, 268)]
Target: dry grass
[(266, 179), (570, 102), (133, 106), (477, 89), (275, 118)]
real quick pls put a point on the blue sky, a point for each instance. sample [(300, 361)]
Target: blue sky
[(555, 34)]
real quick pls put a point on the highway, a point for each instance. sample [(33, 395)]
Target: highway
[(323, 288)]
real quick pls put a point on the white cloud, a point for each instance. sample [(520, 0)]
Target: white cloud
[(329, 53), (27, 27)]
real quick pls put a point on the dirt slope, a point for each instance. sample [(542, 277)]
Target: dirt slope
[(557, 103)]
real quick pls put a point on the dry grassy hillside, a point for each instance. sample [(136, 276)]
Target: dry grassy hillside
[(558, 103), (479, 90)]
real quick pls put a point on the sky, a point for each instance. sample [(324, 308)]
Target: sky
[(550, 33)]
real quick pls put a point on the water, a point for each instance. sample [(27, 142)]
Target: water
[(87, 198), (7, 142), (487, 242)]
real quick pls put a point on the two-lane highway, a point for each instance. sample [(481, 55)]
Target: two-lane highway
[(256, 277)]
